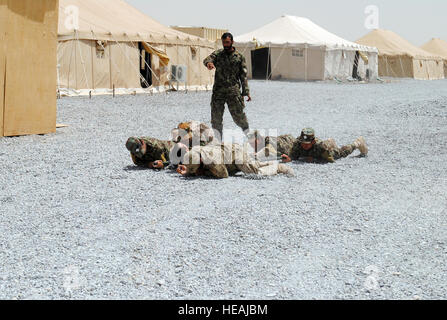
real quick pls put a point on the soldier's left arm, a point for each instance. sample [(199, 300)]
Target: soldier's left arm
[(243, 76)]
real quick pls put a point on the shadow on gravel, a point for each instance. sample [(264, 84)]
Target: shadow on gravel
[(135, 168)]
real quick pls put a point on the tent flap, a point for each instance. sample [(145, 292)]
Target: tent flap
[(164, 59)]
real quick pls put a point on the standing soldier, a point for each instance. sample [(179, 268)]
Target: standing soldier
[(231, 76), (312, 149)]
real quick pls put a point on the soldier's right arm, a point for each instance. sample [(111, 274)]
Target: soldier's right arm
[(138, 161), (211, 58), (134, 159)]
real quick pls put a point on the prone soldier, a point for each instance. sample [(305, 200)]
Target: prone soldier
[(157, 154), (224, 160), (145, 151), (312, 149), (278, 145)]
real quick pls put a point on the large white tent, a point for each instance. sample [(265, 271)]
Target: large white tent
[(295, 48), (105, 44), (398, 58), (437, 47)]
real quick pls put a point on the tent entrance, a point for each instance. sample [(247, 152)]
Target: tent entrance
[(145, 63), (261, 64)]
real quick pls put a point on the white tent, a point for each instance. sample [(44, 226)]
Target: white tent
[(438, 47), (398, 58), (295, 48), (105, 44)]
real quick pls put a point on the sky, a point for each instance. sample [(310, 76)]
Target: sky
[(416, 20)]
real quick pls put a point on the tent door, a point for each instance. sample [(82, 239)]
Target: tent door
[(261, 64), (145, 71), (355, 70)]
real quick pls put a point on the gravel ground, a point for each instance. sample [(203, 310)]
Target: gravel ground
[(78, 221)]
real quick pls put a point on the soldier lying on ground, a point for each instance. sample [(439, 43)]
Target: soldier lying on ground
[(156, 154), (193, 133), (282, 144), (224, 160), (312, 149), (145, 151)]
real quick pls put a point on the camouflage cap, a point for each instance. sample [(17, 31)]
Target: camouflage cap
[(307, 135)]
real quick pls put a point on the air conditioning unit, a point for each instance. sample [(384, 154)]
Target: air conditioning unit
[(179, 73)]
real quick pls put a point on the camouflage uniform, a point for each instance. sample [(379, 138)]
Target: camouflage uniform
[(224, 160), (193, 133), (283, 143), (274, 146), (231, 75), (320, 152), (156, 150)]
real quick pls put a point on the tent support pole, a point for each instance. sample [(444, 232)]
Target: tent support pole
[(73, 48), (141, 56), (268, 64), (82, 60), (93, 69), (128, 59), (305, 62), (112, 84), (401, 65), (185, 60), (277, 61)]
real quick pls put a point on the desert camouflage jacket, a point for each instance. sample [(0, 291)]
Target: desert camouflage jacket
[(224, 160)]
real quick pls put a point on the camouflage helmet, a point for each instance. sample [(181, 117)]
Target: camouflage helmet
[(187, 126), (136, 147), (133, 144), (307, 135), (193, 130)]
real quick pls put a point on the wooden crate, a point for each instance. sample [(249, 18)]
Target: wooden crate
[(28, 43)]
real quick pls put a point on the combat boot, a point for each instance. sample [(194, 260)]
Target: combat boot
[(360, 144)]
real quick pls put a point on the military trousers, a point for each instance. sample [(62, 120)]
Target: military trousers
[(236, 105), (343, 152)]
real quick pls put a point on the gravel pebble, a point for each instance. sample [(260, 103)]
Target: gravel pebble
[(79, 221)]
